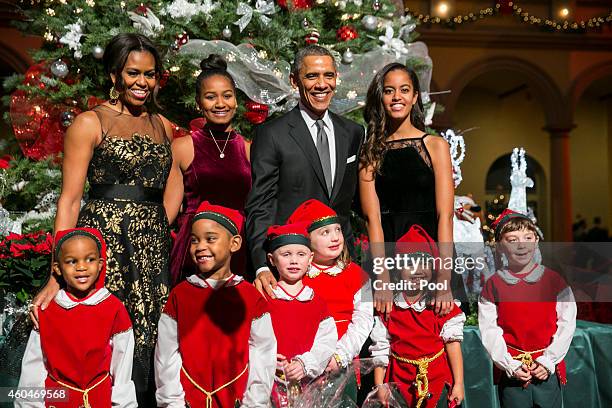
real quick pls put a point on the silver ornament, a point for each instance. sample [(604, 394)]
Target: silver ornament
[(59, 68), (348, 56), (98, 52), (370, 22), (376, 5), (227, 33), (66, 118), (305, 23)]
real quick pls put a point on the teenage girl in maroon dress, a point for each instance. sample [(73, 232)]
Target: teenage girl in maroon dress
[(211, 164)]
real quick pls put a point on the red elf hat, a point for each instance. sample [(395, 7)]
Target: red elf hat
[(229, 218), (503, 218), (417, 242), (314, 214), (62, 236), (280, 235)]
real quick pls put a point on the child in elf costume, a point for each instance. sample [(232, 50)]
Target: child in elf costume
[(304, 328), (84, 345), (216, 346), (343, 285), (415, 348), (527, 318)]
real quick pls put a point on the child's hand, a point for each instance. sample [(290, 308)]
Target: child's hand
[(332, 366), (457, 393), (281, 362), (295, 371), (523, 373), (382, 393), (539, 372)]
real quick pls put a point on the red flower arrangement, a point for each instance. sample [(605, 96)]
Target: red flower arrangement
[(25, 262)]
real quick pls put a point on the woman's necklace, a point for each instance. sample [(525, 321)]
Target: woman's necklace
[(221, 151)]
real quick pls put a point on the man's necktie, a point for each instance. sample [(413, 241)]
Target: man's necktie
[(324, 157)]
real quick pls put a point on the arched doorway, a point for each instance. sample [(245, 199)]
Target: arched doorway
[(498, 182), (591, 144), (509, 103)]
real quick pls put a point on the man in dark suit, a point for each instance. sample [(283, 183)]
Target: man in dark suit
[(307, 153)]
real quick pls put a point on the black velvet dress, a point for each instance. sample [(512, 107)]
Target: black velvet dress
[(406, 190)]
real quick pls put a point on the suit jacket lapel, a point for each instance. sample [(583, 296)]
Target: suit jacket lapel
[(342, 147), (299, 132)]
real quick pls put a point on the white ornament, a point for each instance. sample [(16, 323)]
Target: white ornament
[(348, 56), (59, 68), (407, 26), (189, 9), (392, 44), (148, 24), (72, 38), (227, 33), (98, 52), (262, 9), (370, 22), (351, 95)]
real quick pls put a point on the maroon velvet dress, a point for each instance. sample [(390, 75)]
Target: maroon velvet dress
[(223, 181)]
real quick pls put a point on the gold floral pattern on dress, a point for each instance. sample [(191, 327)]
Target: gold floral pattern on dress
[(137, 236), (138, 160)]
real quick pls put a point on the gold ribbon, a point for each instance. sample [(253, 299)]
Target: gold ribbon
[(525, 357), (85, 391), (209, 394), (422, 382)]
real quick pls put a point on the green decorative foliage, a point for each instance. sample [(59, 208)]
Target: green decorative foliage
[(100, 20)]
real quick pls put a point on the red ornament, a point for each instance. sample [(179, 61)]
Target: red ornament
[(346, 33), (295, 4), (178, 131), (33, 74), (37, 125), (142, 10), (163, 80), (313, 37), (256, 112)]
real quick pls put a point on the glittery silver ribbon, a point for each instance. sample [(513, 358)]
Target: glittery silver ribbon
[(266, 81), (246, 11)]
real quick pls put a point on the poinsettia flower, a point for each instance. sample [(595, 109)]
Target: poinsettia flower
[(5, 161)]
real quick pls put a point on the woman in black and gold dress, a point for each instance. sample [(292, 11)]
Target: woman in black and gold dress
[(123, 151)]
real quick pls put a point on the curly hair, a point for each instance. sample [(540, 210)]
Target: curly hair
[(376, 117)]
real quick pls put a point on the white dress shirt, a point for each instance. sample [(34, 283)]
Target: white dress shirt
[(311, 124)]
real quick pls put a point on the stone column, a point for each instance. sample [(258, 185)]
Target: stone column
[(560, 184)]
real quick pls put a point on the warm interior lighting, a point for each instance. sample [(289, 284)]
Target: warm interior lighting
[(443, 8), (564, 12)]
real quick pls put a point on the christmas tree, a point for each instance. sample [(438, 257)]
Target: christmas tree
[(258, 39), (68, 76)]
